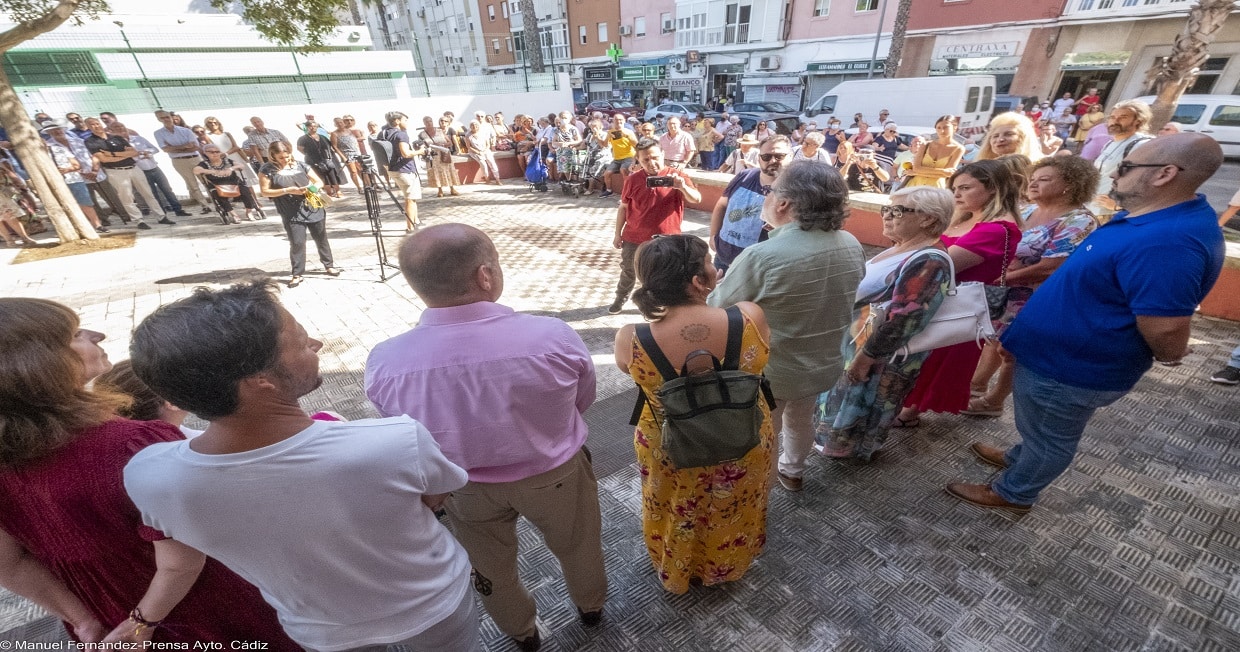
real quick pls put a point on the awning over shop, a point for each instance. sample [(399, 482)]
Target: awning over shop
[(1095, 60), (994, 65), (770, 81)]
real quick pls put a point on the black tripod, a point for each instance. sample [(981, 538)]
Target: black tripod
[(371, 182)]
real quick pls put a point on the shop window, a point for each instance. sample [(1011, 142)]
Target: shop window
[(822, 7), (867, 5), (1226, 116)]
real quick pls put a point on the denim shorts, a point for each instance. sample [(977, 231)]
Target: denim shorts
[(81, 194)]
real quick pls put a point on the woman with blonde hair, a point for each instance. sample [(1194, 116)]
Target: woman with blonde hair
[(71, 541), (1010, 133)]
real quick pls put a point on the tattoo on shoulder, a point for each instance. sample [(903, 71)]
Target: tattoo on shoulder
[(695, 332)]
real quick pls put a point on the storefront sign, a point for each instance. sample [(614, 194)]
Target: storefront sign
[(685, 83), (783, 90), (862, 65), (656, 72), (1095, 60), (636, 73), (971, 50), (597, 74), (642, 85)]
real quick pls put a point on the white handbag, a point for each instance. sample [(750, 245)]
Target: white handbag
[(963, 316)]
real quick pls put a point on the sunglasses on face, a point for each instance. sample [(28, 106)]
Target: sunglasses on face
[(1126, 167), (895, 211), (767, 158)]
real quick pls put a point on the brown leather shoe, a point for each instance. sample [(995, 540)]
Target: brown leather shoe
[(989, 454), (983, 496)]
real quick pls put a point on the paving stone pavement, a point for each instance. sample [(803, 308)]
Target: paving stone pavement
[(1136, 547)]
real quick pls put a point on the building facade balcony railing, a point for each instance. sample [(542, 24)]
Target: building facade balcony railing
[(708, 36), (1124, 8)]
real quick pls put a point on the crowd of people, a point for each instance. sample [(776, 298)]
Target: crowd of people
[(482, 408)]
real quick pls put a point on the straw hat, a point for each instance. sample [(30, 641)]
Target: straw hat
[(747, 139)]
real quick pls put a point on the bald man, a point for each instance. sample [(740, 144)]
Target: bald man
[(1122, 301), (503, 394)]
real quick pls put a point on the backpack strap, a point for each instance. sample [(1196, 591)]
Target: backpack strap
[(656, 354), (661, 363), (736, 330)]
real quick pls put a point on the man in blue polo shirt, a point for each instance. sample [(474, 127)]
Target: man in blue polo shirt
[(1123, 300)]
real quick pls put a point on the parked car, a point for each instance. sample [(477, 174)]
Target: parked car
[(612, 107), (1217, 116), (785, 125), (764, 110), (916, 100), (680, 110)]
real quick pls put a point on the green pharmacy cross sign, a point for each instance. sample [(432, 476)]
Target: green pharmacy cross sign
[(614, 53)]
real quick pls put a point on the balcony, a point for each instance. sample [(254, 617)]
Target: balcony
[(1124, 8)]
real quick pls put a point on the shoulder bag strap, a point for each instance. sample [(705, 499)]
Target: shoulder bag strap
[(951, 266), (1007, 240), (736, 330)]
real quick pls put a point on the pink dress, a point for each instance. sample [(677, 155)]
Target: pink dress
[(71, 512), (943, 385)]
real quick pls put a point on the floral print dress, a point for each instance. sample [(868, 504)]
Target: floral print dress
[(707, 522), (852, 420), (1055, 239)]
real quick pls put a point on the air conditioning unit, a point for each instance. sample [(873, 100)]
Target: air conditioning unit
[(625, 30), (681, 66), (668, 27), (768, 63)]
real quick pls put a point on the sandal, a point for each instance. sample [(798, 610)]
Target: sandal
[(978, 407), (906, 423), (295, 281)]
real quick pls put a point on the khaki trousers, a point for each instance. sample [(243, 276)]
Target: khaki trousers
[(563, 504), (185, 167)]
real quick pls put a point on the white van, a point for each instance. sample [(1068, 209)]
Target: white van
[(1217, 116), (911, 100)]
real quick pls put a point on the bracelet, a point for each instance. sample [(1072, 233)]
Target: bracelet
[(141, 623)]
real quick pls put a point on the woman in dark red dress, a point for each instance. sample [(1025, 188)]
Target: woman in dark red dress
[(982, 239), (70, 539)]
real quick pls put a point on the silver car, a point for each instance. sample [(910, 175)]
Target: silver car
[(681, 110)]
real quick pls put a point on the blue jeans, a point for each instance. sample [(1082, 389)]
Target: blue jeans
[(162, 191), (1235, 358), (1050, 417)]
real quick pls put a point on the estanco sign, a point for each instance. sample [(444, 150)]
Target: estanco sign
[(975, 50)]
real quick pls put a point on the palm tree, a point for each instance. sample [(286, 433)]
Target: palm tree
[(533, 39), (1171, 76), (897, 39)]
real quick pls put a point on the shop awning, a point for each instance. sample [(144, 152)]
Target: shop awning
[(1095, 60), (1001, 65), (770, 81)]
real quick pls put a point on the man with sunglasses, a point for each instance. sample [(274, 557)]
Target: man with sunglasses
[(1122, 301), (79, 126), (736, 221)]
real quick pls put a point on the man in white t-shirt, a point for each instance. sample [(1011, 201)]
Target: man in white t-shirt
[(332, 521), (1128, 125)]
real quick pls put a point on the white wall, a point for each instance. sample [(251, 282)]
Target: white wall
[(286, 118)]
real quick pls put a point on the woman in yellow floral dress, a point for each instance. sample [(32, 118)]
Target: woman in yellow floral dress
[(709, 522)]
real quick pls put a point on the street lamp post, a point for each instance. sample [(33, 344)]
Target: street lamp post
[(145, 81), (878, 36)]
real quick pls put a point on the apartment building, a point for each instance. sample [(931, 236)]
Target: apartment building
[(445, 35)]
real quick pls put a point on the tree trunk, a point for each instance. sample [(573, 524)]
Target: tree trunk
[(1188, 53), (897, 39), (355, 10), (47, 181), (531, 36)]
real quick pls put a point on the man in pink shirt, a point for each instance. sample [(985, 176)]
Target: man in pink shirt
[(677, 145), (503, 395)]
